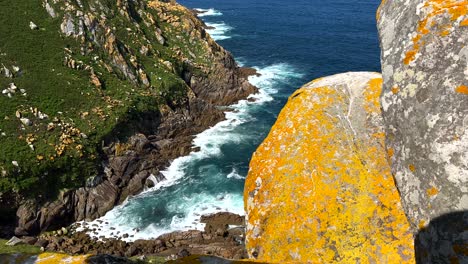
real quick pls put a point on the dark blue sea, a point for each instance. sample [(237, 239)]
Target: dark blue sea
[(290, 43)]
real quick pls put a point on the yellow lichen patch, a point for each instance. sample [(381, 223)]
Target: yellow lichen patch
[(422, 224), (377, 17), (436, 9), (374, 88), (462, 89), (432, 191), (319, 188), (412, 168), (464, 22), (395, 89), (390, 152), (56, 258)]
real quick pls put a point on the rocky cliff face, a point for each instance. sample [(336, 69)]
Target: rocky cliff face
[(319, 188), (99, 96), (425, 107), (425, 102)]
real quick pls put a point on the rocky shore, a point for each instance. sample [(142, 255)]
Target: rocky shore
[(223, 236)]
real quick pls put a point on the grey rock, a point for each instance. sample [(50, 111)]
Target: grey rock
[(425, 108), (33, 26), (26, 121), (14, 241), (6, 72), (50, 10)]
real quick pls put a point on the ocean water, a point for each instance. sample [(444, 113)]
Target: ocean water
[(289, 43)]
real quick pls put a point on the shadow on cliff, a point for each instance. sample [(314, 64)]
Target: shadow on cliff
[(444, 240)]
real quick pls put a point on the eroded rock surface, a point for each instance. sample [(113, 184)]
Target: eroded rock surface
[(425, 107), (319, 188)]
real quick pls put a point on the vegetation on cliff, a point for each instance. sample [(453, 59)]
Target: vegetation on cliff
[(77, 76)]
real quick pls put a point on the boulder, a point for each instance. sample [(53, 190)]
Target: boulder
[(425, 107), (319, 188), (219, 223)]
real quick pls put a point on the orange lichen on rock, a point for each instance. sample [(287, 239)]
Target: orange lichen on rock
[(319, 188), (435, 9), (395, 90), (377, 17), (432, 191), (56, 258), (463, 89)]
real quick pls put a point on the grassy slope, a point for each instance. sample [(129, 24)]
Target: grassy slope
[(18, 249), (67, 94)]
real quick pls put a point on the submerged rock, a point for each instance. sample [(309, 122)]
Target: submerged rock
[(425, 107), (319, 188)]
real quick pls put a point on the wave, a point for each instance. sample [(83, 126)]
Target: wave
[(208, 12), (117, 222), (235, 175), (219, 31)]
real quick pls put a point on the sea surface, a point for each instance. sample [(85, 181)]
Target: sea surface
[(289, 43)]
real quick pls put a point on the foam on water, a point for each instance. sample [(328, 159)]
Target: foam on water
[(208, 12), (118, 222), (219, 30), (235, 175)]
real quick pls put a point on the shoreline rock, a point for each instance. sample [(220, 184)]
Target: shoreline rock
[(228, 244)]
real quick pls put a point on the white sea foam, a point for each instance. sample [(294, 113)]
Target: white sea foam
[(117, 222), (219, 31), (235, 175), (208, 12)]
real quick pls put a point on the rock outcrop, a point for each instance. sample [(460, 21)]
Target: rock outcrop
[(425, 108), (319, 188)]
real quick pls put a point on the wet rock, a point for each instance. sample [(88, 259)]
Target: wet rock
[(319, 187)]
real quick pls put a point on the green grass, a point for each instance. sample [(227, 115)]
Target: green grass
[(22, 248), (67, 94)]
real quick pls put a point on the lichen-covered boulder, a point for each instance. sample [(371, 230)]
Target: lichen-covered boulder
[(425, 108), (319, 188)]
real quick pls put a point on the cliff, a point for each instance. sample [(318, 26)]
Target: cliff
[(346, 177), (96, 97)]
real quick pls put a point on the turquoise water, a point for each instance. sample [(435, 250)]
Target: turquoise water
[(289, 43)]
